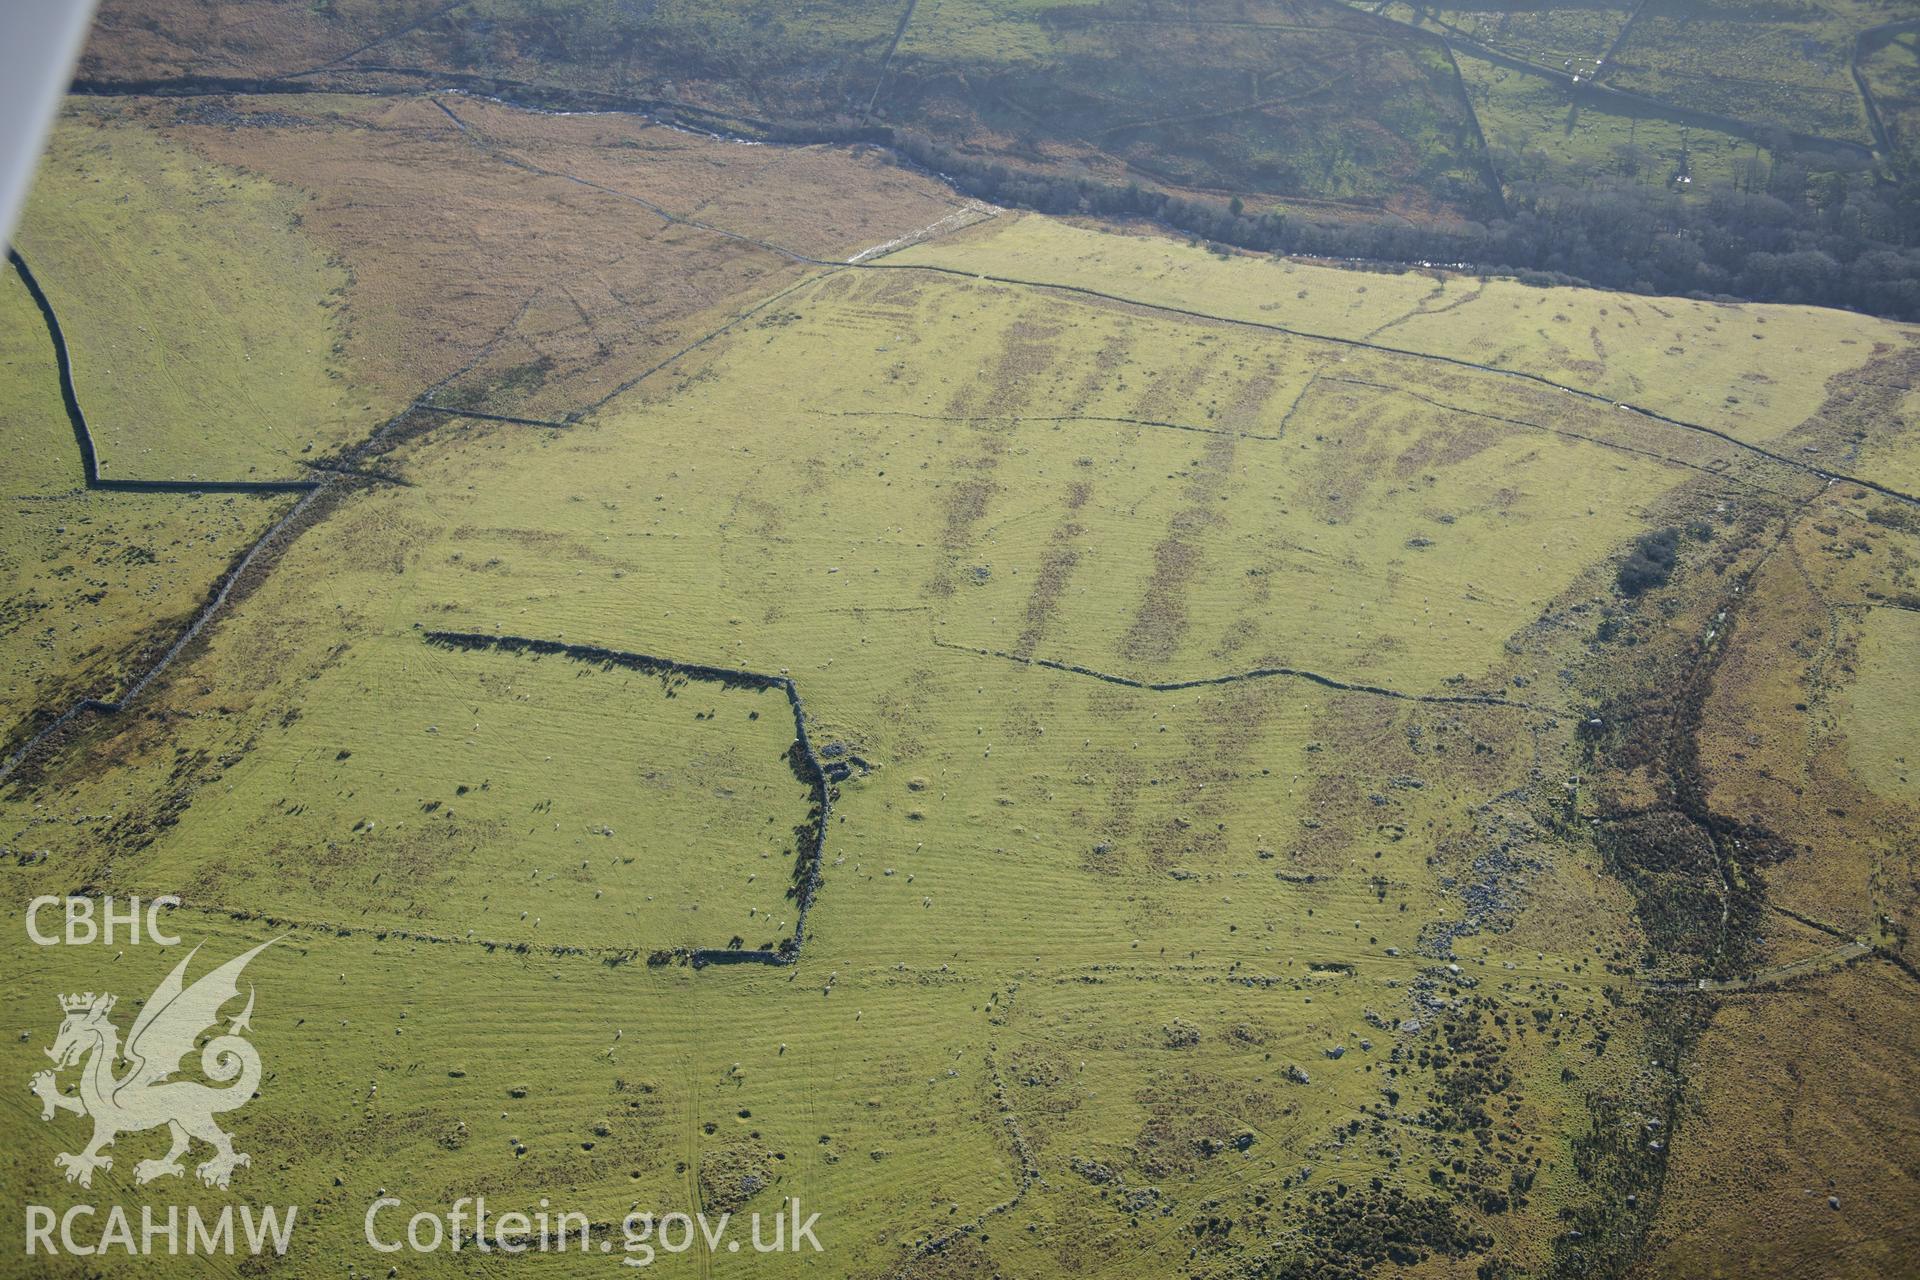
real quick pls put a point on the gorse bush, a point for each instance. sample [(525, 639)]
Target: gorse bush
[(1650, 563)]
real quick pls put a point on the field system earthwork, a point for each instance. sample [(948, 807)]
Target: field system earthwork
[(736, 671)]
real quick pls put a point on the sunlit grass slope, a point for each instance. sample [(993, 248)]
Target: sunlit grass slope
[(91, 584), (1190, 891), (498, 796), (1753, 371), (202, 321)]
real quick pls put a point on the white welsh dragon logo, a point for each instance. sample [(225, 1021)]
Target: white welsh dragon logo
[(144, 1098)]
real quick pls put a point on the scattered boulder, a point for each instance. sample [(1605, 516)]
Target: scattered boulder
[(731, 1176)]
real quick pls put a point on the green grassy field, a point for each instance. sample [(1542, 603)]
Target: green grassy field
[(1752, 62), (98, 582), (415, 848), (1536, 131), (1550, 36), (1884, 705), (1892, 72), (90, 583), (1246, 702), (1784, 66), (130, 235), (1755, 373), (1125, 857)]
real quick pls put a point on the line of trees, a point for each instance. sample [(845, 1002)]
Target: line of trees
[(1824, 237)]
